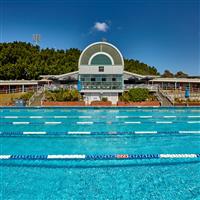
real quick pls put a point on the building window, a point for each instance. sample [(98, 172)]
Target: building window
[(101, 69), (113, 79), (101, 59), (101, 81)]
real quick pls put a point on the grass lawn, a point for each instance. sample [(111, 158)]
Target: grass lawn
[(6, 99)]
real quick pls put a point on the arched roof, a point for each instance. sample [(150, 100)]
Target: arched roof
[(97, 48)]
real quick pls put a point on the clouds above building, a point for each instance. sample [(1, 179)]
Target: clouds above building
[(101, 26)]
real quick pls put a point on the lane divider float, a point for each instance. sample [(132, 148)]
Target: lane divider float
[(78, 132), (34, 133), (21, 123), (98, 157), (103, 122), (12, 133), (84, 122), (53, 123), (84, 116)]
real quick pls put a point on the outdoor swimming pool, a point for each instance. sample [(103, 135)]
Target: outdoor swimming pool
[(100, 131)]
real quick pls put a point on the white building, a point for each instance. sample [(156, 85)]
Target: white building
[(101, 67), (101, 74)]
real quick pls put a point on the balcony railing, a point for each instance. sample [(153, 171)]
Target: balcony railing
[(149, 87)]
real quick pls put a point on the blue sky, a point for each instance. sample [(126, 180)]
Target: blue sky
[(161, 33)]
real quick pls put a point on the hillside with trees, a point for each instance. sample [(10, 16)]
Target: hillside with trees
[(20, 60), (179, 74)]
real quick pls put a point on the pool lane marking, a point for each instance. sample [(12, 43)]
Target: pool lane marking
[(34, 132), (98, 157), (78, 132), (98, 133), (193, 122), (84, 122), (132, 122), (21, 123), (169, 116), (64, 116), (146, 132), (85, 117), (11, 117), (160, 122), (2, 157), (52, 123), (178, 156), (101, 122), (121, 116), (66, 156), (60, 117), (189, 132)]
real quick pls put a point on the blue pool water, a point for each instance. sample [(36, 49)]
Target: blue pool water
[(112, 131)]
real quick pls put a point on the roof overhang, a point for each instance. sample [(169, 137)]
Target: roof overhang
[(74, 76), (130, 75), (19, 82), (176, 80)]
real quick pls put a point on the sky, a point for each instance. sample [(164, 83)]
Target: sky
[(160, 33)]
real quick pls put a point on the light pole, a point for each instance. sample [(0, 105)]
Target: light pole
[(36, 38)]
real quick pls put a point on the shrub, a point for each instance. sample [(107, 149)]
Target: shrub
[(26, 96), (63, 95), (135, 95), (104, 99)]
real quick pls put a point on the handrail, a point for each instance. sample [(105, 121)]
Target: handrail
[(42, 99), (37, 93), (150, 87), (167, 96)]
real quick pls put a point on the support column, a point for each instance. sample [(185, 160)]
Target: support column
[(22, 88)]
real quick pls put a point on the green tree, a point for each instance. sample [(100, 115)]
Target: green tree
[(20, 60), (135, 95), (181, 74), (167, 74)]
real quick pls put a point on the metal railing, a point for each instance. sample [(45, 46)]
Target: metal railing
[(167, 96), (149, 87), (36, 94), (19, 90)]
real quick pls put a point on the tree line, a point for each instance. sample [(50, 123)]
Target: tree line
[(20, 60), (179, 74)]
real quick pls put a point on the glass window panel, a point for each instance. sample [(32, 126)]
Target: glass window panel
[(101, 69), (101, 59), (113, 79)]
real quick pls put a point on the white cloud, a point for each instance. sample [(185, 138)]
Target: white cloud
[(101, 26)]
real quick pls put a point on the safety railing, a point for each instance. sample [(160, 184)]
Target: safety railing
[(36, 94), (147, 86), (19, 90)]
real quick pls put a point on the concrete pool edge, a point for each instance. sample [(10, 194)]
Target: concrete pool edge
[(95, 107)]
